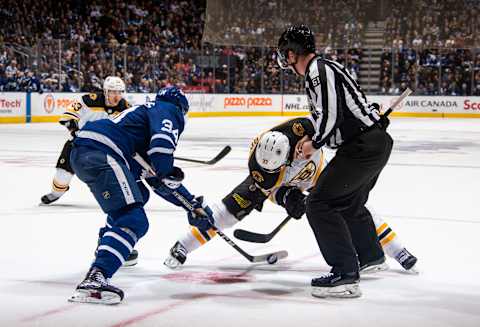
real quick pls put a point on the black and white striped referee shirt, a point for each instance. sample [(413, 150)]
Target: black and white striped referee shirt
[(338, 106)]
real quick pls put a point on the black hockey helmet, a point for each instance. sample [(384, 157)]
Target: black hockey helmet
[(298, 39)]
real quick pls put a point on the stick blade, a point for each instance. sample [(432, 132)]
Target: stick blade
[(247, 236), (226, 150), (213, 161)]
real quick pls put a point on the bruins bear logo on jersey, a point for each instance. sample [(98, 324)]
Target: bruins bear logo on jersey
[(305, 174), (257, 176), (298, 129)]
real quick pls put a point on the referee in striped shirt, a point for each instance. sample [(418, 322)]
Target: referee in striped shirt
[(344, 120)]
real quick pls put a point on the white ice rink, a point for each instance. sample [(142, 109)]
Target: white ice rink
[(429, 193)]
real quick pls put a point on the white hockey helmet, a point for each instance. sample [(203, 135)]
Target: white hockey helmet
[(272, 151), (113, 83)]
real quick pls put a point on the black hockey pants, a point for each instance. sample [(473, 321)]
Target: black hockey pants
[(336, 211)]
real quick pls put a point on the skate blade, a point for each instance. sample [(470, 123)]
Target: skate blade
[(374, 269), (341, 291), (172, 263), (85, 296), (413, 271)]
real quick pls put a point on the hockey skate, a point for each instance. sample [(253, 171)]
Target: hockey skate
[(177, 257), (132, 259), (95, 289), (374, 266), (407, 260), (337, 285), (51, 197)]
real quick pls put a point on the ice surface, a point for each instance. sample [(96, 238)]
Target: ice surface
[(429, 194)]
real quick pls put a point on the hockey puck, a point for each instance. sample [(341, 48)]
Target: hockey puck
[(272, 259)]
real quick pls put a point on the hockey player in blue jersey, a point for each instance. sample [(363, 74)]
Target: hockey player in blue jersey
[(102, 157)]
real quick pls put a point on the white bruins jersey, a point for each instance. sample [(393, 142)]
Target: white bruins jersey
[(302, 174), (91, 107)]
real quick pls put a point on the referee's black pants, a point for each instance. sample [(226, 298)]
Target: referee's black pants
[(336, 210)]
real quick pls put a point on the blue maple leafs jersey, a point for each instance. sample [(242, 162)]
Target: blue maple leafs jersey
[(152, 130)]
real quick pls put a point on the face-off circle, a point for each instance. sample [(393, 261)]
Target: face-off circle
[(209, 277)]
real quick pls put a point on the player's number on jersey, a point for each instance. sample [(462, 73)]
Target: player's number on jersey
[(168, 127)]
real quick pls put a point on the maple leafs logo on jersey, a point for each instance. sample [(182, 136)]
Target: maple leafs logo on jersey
[(257, 176), (298, 129)]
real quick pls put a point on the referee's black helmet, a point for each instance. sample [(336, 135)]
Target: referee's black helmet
[(297, 38)]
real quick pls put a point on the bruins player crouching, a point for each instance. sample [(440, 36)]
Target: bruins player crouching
[(90, 107), (276, 172)]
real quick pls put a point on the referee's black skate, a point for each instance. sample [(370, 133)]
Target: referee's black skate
[(374, 266), (340, 285), (96, 289)]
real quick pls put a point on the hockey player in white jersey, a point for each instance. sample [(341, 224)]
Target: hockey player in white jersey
[(90, 107), (275, 172)]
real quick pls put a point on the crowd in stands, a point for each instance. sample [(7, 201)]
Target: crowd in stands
[(431, 71), (433, 24), (150, 44), (430, 47), (338, 23)]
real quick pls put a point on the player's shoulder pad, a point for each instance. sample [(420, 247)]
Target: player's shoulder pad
[(302, 126), (296, 128), (94, 100)]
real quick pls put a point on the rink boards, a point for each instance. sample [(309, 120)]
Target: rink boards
[(16, 107)]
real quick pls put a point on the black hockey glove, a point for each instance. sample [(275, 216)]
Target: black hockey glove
[(292, 199), (71, 125), (384, 121)]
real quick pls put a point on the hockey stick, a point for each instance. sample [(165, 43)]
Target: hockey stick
[(402, 96), (271, 258), (248, 236), (213, 161)]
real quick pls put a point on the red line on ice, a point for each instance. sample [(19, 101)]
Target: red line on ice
[(48, 313), (157, 311), (172, 306)]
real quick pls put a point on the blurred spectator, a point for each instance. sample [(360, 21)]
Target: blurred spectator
[(152, 44)]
